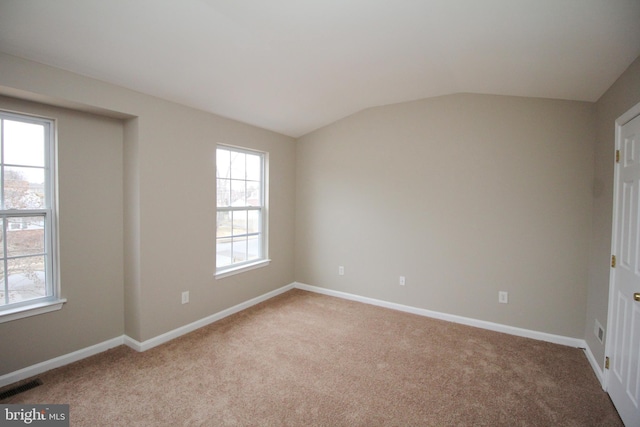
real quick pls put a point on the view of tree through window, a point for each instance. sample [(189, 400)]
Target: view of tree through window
[(24, 210), (240, 207)]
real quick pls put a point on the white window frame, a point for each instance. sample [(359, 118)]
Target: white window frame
[(52, 300), (263, 260)]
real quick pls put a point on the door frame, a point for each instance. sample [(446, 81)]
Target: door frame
[(631, 114)]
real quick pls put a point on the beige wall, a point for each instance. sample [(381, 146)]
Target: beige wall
[(90, 238), (167, 182), (465, 195), (132, 299), (619, 98), (177, 216)]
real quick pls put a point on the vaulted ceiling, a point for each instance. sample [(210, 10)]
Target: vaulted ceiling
[(295, 65)]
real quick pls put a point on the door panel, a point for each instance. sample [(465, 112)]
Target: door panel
[(624, 385)]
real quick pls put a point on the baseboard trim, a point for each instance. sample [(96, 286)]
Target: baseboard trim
[(66, 359), (594, 364), (38, 368), (512, 330), (168, 336)]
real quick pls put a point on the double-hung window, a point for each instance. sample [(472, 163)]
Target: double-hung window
[(241, 241), (27, 208)]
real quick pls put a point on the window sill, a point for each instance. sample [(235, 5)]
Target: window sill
[(241, 269), (31, 310)]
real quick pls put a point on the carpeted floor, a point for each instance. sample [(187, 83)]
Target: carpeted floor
[(303, 359)]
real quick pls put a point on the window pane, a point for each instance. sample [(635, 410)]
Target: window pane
[(240, 186), (238, 195), (253, 193), (239, 223), (254, 248), (24, 188), (253, 222), (237, 165), (223, 252), (23, 143), (26, 278), (3, 295), (223, 228), (2, 223), (224, 192), (222, 163), (26, 270), (25, 236), (254, 171), (239, 249)]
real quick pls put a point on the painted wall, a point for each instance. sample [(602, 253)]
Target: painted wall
[(90, 239), (620, 97), (465, 195), (177, 216), (168, 187)]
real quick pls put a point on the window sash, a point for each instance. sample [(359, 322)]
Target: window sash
[(6, 259), (245, 238), (47, 213)]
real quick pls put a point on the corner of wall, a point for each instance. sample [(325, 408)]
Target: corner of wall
[(131, 230)]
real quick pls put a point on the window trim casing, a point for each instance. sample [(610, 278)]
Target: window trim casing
[(232, 269), (54, 301)]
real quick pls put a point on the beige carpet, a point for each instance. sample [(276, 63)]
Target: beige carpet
[(303, 359)]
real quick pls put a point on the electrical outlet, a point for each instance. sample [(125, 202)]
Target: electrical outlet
[(598, 331), (340, 271), (503, 297), (402, 281), (185, 297)]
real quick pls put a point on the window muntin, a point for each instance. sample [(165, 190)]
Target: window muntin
[(26, 212), (240, 217)]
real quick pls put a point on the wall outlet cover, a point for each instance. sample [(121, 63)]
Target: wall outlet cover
[(503, 297), (598, 331)]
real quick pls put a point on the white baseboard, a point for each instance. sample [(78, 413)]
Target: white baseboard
[(594, 364), (168, 336), (512, 330), (57, 362)]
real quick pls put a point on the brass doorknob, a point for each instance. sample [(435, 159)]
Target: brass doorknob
[(636, 296)]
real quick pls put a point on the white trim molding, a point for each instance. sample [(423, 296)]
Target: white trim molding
[(241, 269), (31, 310), (57, 362), (66, 359), (512, 330), (168, 336), (594, 364)]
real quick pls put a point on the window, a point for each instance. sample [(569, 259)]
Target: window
[(27, 276), (241, 214)]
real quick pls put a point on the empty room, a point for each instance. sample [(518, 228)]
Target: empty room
[(366, 212)]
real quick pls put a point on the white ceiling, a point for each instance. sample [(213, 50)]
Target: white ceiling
[(295, 65)]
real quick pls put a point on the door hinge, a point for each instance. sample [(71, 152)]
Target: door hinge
[(606, 362), (613, 261), (617, 156)]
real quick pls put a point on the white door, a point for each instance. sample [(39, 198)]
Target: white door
[(624, 350)]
